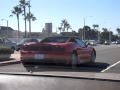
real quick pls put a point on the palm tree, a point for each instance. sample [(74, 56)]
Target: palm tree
[(60, 28), (105, 29), (23, 5), (17, 11), (65, 25), (95, 26), (118, 30), (68, 26), (30, 17)]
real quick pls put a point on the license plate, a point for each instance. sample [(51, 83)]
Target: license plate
[(39, 56)]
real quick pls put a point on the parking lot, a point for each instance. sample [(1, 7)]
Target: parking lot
[(107, 61)]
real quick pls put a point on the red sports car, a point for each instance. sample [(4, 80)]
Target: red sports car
[(66, 50)]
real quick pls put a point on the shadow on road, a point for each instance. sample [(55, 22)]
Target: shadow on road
[(96, 67)]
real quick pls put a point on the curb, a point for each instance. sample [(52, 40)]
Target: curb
[(10, 62), (111, 77)]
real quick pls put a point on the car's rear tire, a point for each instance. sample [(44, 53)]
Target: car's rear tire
[(93, 57), (74, 60), (24, 63)]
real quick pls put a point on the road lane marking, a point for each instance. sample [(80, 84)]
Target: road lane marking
[(110, 66)]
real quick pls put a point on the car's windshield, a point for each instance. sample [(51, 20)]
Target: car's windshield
[(60, 37), (26, 40), (55, 40)]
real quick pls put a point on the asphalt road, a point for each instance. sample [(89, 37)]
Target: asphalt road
[(108, 61), (26, 82)]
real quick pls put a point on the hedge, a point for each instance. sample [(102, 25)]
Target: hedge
[(5, 50)]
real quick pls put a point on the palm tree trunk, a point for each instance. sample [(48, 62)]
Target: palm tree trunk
[(18, 26), (29, 21), (25, 22), (64, 28), (67, 29)]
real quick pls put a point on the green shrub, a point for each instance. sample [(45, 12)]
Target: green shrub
[(5, 50)]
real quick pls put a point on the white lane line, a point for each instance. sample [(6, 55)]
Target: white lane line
[(110, 66)]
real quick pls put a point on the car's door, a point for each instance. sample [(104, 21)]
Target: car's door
[(82, 51)]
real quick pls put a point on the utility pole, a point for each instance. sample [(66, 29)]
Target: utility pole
[(83, 33), (109, 36), (98, 34)]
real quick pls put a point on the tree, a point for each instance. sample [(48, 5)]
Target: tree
[(68, 26), (17, 11), (30, 17), (95, 26), (90, 34), (60, 28), (23, 5), (118, 31), (105, 29), (65, 25), (105, 34)]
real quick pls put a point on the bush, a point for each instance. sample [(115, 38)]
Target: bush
[(5, 50), (5, 53)]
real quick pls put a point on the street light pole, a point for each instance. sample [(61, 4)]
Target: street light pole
[(98, 34), (7, 25), (83, 35), (109, 35)]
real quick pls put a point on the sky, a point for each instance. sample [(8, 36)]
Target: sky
[(105, 13)]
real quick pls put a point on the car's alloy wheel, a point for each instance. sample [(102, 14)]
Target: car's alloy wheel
[(93, 57), (74, 60)]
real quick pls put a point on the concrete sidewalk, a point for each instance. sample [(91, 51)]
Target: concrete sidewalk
[(14, 59)]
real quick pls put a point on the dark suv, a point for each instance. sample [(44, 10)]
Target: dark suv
[(25, 40)]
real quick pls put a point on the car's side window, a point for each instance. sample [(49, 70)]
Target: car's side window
[(80, 43)]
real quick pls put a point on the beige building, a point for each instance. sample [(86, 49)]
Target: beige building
[(9, 32), (48, 28)]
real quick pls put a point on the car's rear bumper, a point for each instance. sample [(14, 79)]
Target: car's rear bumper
[(50, 57)]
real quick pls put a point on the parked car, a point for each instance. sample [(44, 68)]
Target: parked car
[(66, 50), (5, 42), (25, 40), (92, 42), (118, 42), (107, 43)]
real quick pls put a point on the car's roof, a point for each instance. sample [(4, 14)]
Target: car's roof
[(63, 37)]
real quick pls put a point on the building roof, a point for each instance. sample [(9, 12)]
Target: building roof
[(6, 28)]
